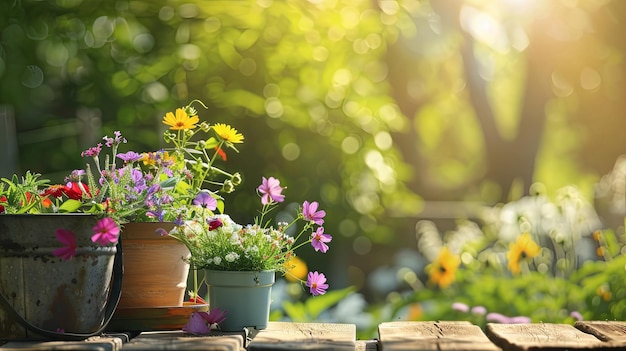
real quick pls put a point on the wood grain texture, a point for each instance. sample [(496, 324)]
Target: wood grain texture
[(605, 330), (305, 336), (540, 336), (435, 336), (96, 343), (154, 341)]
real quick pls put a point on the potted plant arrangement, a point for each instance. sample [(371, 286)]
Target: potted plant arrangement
[(152, 190), (123, 191), (241, 261), (61, 269)]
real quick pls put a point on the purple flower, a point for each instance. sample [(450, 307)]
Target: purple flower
[(118, 139), (271, 191), (311, 214), (196, 324), (157, 213), (68, 238), (497, 317), (461, 307), (200, 322), (319, 240), (576, 315), (479, 310), (162, 231), (129, 156), (519, 320), (105, 231), (92, 151), (317, 283), (179, 220), (75, 176), (205, 200), (215, 316), (500, 318)]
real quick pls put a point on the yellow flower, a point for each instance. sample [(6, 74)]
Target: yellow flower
[(180, 121), (228, 133), (522, 249), (296, 269), (443, 271)]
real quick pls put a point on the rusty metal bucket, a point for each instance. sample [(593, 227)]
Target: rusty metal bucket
[(44, 296)]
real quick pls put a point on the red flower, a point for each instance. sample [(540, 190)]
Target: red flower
[(74, 190), (197, 299), (2, 199), (56, 190), (215, 223)]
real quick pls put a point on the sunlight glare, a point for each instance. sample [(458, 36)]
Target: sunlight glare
[(484, 28)]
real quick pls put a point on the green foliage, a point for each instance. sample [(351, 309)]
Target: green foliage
[(310, 309), (578, 270), (21, 194)]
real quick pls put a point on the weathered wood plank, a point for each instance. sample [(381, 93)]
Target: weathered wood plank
[(96, 343), (435, 336), (305, 336), (177, 340), (538, 336), (604, 330), (366, 345)]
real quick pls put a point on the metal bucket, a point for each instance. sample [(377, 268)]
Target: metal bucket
[(66, 296)]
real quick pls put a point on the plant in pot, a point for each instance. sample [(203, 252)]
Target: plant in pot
[(154, 190), (241, 261), (60, 267)]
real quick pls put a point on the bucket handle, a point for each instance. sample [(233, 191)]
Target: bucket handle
[(113, 300)]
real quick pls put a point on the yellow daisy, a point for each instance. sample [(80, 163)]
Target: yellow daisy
[(228, 133), (180, 121), (443, 271), (522, 249)]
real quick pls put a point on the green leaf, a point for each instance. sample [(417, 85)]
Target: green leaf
[(70, 205), (318, 304), (169, 182), (295, 311)]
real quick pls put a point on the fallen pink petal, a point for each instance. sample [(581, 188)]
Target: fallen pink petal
[(68, 238), (197, 324)]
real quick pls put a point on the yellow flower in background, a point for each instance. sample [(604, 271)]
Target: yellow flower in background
[(228, 133), (522, 249), (296, 269), (443, 270), (180, 121)]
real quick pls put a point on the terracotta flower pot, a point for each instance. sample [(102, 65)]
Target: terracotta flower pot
[(155, 272)]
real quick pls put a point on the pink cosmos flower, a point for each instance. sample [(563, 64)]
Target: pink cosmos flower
[(271, 191), (68, 238), (319, 240), (317, 283), (105, 231), (215, 316), (201, 322), (311, 214)]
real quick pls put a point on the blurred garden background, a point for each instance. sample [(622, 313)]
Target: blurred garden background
[(465, 151)]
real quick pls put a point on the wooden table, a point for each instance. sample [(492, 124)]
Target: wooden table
[(393, 336)]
